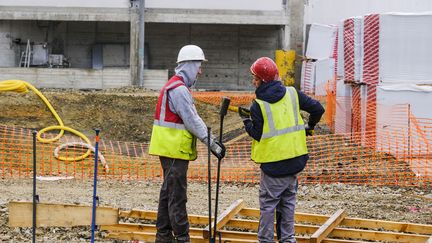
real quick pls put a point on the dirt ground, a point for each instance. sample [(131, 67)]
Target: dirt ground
[(395, 204), (121, 114), (127, 115)]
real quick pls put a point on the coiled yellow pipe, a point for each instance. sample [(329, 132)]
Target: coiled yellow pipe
[(20, 86)]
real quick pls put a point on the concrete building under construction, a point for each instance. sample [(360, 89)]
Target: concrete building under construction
[(105, 44)]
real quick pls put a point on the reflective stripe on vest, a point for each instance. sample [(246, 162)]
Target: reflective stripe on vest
[(161, 122), (279, 141), (170, 139), (273, 132)]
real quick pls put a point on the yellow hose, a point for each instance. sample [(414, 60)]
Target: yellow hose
[(20, 86)]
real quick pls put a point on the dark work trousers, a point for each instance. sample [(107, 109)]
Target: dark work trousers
[(277, 193), (172, 220)]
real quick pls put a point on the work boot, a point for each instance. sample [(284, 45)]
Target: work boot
[(164, 237), (181, 239)]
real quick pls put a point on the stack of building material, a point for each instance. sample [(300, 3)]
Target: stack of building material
[(383, 58), (319, 64)]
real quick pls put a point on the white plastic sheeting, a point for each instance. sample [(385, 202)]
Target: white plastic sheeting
[(332, 11), (343, 107), (419, 97), (399, 135), (358, 48), (340, 45), (321, 47), (405, 52), (324, 71), (307, 81), (321, 41)]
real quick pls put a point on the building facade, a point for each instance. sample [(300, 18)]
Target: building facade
[(104, 43)]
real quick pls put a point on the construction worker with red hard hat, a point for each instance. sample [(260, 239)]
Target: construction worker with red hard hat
[(278, 145), (176, 128)]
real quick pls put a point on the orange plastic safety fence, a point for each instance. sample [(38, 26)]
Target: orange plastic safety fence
[(237, 98), (402, 157)]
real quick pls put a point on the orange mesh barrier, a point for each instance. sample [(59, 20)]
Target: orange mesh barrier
[(237, 99), (402, 157), (330, 105)]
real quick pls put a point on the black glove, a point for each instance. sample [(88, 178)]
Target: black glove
[(244, 113), (217, 149), (309, 130)]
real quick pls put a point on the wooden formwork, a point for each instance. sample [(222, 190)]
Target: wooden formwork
[(236, 224), (240, 224)]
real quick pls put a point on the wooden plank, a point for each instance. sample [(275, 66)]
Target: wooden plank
[(226, 216), (250, 212), (152, 215), (139, 214), (328, 226), (194, 239), (253, 225), (60, 215), (378, 235), (151, 237), (310, 218), (353, 222), (388, 225), (196, 232), (143, 228)]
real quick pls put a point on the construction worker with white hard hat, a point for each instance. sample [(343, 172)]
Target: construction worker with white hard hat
[(278, 145), (176, 127)]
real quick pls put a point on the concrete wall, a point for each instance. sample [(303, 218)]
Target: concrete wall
[(230, 50), (332, 11), (68, 3), (69, 77), (190, 4), (82, 78), (73, 39)]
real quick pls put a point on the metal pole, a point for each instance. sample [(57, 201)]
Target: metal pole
[(95, 198), (409, 133), (217, 184), (141, 42), (35, 196), (223, 112), (209, 181)]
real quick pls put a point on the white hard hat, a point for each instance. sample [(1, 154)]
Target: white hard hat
[(190, 53)]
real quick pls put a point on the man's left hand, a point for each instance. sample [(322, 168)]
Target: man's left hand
[(309, 130)]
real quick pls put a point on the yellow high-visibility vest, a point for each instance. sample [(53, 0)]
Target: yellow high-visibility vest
[(171, 139), (283, 134)]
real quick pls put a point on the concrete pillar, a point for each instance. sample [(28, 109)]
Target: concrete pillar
[(134, 34), (141, 43), (285, 34), (295, 12)]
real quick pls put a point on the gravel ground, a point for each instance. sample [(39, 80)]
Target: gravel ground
[(396, 204)]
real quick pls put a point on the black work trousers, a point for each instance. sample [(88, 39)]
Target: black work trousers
[(172, 220)]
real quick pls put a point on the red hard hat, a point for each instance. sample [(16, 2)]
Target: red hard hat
[(265, 69)]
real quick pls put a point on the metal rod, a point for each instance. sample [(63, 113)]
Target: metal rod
[(223, 111), (95, 199), (217, 181), (35, 196), (209, 182)]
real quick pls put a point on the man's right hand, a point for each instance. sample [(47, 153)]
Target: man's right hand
[(244, 113), (217, 149)]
